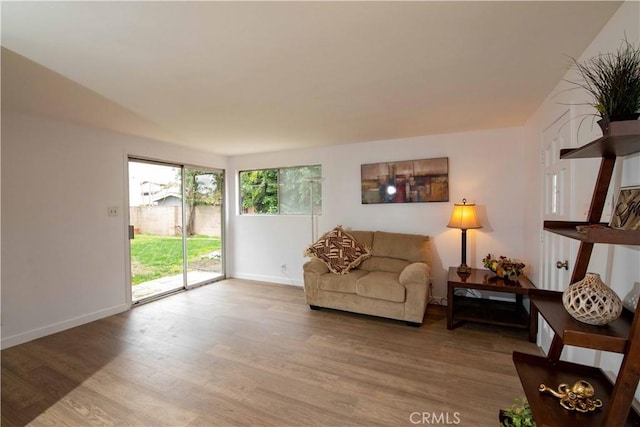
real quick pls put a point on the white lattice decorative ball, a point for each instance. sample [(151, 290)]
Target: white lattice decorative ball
[(591, 301)]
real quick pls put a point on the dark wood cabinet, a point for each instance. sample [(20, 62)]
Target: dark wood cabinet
[(621, 336)]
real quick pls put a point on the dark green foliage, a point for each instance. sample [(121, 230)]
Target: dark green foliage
[(259, 191), (518, 415), (613, 81)]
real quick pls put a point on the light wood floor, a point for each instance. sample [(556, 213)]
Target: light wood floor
[(245, 353)]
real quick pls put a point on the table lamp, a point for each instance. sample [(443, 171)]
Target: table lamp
[(464, 217)]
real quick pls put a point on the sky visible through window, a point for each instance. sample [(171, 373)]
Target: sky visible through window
[(150, 175)]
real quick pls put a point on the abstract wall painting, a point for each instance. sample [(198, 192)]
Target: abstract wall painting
[(409, 181)]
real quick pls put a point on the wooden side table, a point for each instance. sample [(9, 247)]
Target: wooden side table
[(492, 312)]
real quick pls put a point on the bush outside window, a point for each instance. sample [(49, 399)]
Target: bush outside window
[(281, 191)]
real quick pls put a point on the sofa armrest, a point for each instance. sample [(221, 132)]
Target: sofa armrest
[(416, 278), (312, 272), (418, 272), (315, 266)]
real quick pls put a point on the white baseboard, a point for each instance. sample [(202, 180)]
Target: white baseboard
[(272, 279), (23, 337)]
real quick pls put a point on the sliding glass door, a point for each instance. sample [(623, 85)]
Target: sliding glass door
[(175, 217), (203, 225)]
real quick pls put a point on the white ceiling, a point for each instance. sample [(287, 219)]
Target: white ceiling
[(246, 77)]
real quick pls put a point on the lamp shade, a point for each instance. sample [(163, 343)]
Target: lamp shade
[(464, 216)]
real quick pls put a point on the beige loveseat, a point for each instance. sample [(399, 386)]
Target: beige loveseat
[(394, 282)]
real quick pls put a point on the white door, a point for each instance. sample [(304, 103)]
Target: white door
[(558, 253)]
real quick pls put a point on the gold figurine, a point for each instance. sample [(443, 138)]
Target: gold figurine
[(577, 398)]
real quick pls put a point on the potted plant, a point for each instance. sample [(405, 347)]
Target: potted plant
[(518, 415), (613, 82)]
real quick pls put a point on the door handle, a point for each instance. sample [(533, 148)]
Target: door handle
[(561, 264), (132, 233)]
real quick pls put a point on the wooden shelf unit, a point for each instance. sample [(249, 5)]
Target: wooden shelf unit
[(613, 337), (621, 336), (621, 141), (536, 370), (604, 234)]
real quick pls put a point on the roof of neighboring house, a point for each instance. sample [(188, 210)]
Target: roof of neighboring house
[(162, 195)]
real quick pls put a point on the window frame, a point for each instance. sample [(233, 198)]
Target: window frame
[(318, 206)]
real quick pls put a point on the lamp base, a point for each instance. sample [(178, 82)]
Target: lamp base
[(464, 269)]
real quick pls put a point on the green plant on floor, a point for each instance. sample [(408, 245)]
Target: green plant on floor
[(518, 415)]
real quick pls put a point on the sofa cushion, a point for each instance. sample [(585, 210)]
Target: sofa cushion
[(410, 247), (379, 263), (339, 250), (365, 238), (345, 283), (381, 285)]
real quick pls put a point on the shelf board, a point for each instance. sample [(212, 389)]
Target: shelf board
[(536, 370), (612, 337), (594, 235), (623, 139), (493, 312)]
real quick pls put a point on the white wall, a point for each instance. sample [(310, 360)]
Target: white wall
[(619, 266), (484, 167), (65, 261)]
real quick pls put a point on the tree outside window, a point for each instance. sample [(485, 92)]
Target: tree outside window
[(283, 191)]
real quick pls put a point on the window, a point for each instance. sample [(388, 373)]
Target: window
[(283, 191)]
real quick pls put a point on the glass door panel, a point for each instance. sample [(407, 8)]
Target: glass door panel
[(203, 192), (155, 218)]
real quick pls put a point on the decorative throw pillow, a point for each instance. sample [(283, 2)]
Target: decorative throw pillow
[(339, 250)]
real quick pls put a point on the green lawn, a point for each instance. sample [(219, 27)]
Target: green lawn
[(153, 256)]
